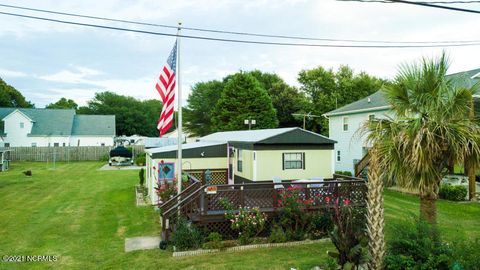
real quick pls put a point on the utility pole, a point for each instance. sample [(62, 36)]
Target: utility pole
[(305, 116)]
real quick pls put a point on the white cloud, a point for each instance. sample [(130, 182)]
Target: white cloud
[(11, 73)]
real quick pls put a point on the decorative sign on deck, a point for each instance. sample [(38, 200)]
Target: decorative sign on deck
[(211, 190), (166, 171)]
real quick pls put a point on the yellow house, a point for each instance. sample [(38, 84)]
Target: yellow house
[(247, 156)]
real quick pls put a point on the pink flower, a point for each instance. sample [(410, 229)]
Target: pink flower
[(327, 199), (346, 202)]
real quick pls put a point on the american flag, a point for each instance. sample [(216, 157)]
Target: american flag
[(166, 88)]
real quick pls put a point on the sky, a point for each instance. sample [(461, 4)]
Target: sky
[(46, 61)]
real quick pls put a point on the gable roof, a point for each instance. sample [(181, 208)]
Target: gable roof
[(374, 102), (191, 150), (377, 101), (94, 125), (293, 135), (63, 122)]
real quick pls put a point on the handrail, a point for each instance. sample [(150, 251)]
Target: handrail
[(179, 204), (362, 164), (185, 191)]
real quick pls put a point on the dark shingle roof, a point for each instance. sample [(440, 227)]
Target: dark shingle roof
[(94, 125), (377, 101), (47, 122)]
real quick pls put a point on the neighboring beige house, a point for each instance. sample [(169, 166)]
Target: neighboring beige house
[(248, 156)]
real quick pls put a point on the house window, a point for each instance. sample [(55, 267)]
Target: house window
[(56, 144), (345, 123), (338, 156), (293, 161), (63, 144), (22, 125), (102, 144), (7, 144), (34, 144), (239, 160)]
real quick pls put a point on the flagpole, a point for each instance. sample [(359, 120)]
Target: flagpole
[(179, 129)]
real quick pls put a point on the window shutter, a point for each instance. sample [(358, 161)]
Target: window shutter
[(283, 161), (303, 159)]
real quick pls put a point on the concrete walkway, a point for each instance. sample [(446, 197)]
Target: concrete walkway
[(141, 243)]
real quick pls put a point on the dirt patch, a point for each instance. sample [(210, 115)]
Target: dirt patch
[(121, 231)]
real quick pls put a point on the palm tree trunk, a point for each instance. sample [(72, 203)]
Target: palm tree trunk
[(470, 172), (428, 208), (375, 213)]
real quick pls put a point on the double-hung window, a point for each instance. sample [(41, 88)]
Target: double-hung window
[(345, 123), (293, 161)]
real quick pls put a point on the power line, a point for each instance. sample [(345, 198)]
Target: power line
[(425, 4), (239, 40), (238, 33), (429, 2)]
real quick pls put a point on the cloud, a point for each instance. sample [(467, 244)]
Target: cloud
[(11, 73)]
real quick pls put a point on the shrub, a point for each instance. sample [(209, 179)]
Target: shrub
[(214, 241), (452, 193), (466, 254), (105, 158), (187, 236), (417, 245), (140, 159), (320, 225), (293, 216), (165, 191), (248, 222), (349, 235), (346, 173), (141, 176), (277, 235)]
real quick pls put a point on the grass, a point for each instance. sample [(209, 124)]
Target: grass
[(83, 216)]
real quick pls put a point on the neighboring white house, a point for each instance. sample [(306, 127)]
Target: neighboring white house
[(52, 127), (344, 127), (344, 122)]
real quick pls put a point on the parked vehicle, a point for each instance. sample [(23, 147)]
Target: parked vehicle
[(120, 156)]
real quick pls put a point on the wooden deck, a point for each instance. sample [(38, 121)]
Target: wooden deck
[(202, 204)]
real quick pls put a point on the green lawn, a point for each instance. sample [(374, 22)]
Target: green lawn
[(83, 216)]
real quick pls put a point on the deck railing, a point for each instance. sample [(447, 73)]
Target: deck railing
[(205, 202)]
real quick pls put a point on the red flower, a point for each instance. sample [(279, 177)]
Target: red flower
[(327, 199), (346, 202)]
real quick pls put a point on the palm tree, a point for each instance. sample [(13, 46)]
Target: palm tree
[(375, 216), (430, 130)]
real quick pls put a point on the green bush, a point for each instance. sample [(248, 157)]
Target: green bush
[(141, 176), (417, 245), (187, 236), (466, 254), (320, 225), (452, 193), (346, 173), (105, 158), (140, 159), (277, 235), (214, 241)]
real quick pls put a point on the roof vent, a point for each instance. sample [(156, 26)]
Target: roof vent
[(369, 100)]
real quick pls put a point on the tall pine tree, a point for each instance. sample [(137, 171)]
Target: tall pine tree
[(243, 98)]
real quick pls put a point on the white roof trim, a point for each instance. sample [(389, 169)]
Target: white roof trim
[(17, 110), (475, 76), (358, 111)]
